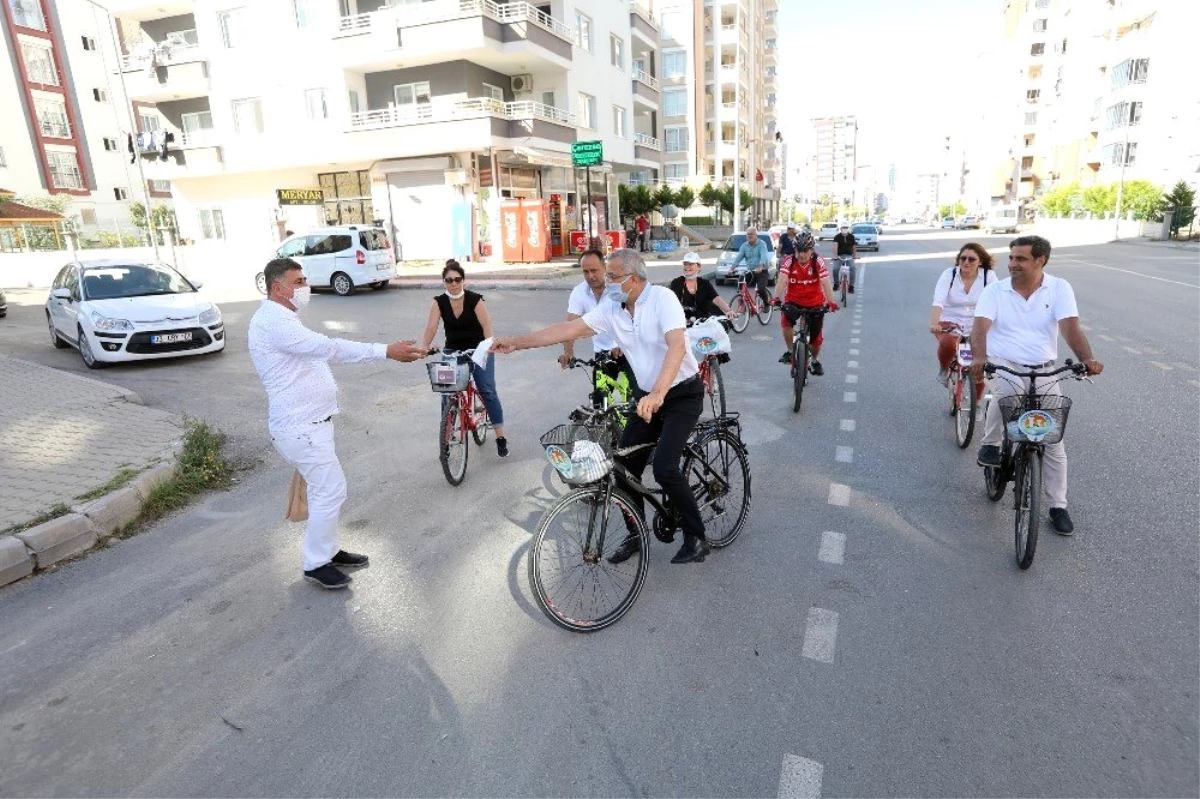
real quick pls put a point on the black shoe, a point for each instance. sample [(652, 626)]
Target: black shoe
[(626, 550), (989, 456), (350, 560), (786, 357), (817, 369), (1060, 520), (502, 447), (694, 550), (852, 289), (328, 576)]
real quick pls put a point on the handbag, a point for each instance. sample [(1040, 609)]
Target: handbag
[(297, 504)]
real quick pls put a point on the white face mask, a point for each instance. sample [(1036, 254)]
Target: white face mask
[(300, 297), (457, 296)]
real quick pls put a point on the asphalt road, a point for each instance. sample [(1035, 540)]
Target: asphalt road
[(191, 660)]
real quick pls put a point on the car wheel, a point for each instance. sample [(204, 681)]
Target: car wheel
[(85, 352), (55, 339), (260, 282), (343, 286)]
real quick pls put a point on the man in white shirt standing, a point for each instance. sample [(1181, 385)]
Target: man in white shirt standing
[(1017, 322), (293, 363), (584, 297), (647, 322)]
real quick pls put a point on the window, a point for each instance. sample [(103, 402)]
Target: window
[(1112, 154), (674, 64), (1123, 114), (100, 95), (28, 14), (64, 170), (247, 115), (194, 123), (120, 194), (618, 121), (314, 104), (676, 139), (617, 54), (3, 161), (494, 92), (39, 64), (304, 12), (184, 38), (587, 111), (88, 43), (548, 99), (409, 95), (354, 102), (1131, 70), (212, 223), (674, 102), (671, 25), (110, 144), (52, 118), (87, 216), (1029, 138), (1032, 95), (1039, 25), (583, 31), (1063, 48), (148, 123), (1038, 48), (676, 172), (160, 186), (1042, 4), (231, 24)]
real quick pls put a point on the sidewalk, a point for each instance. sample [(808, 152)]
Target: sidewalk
[(63, 435), (560, 273)]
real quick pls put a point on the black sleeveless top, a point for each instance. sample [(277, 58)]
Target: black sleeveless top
[(462, 332)]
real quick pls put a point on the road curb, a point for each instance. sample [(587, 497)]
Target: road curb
[(119, 392)]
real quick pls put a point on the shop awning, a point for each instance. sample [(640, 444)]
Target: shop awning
[(528, 155)]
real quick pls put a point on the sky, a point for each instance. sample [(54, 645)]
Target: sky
[(905, 68)]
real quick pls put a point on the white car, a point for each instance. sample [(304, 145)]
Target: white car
[(114, 311), (729, 252), (828, 231), (866, 236), (342, 258)]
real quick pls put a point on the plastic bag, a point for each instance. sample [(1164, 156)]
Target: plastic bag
[(708, 338)]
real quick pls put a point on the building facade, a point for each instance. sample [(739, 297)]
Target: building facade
[(835, 153)]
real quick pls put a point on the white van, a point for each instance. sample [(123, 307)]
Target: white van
[(1002, 219), (342, 258)]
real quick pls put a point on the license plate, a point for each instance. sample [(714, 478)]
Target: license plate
[(383, 267), (170, 338)]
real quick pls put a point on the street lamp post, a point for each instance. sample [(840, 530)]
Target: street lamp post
[(737, 127)]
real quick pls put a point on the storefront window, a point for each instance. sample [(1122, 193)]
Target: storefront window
[(347, 197)]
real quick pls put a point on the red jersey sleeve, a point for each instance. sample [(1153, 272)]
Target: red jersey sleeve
[(822, 269)]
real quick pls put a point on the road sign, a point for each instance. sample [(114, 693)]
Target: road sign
[(587, 153)]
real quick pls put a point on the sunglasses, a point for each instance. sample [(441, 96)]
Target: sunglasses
[(452, 280), (969, 259)]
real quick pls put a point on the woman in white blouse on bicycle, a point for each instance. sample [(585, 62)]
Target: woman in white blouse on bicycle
[(954, 299)]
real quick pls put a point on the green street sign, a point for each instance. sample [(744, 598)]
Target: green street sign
[(587, 153)]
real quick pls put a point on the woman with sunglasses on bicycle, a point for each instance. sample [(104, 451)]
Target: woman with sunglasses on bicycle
[(465, 316), (954, 299)]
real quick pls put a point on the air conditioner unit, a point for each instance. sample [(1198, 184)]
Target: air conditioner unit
[(522, 83)]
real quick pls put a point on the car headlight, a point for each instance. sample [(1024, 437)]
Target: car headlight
[(211, 316), (101, 322)]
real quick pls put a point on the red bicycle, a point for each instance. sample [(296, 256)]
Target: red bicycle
[(710, 373), (463, 411), (964, 400), (746, 302)]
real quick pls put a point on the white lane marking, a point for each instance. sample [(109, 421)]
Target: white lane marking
[(1161, 365), (849, 396), (856, 331), (1185, 366), (844, 454), (851, 378), (839, 494), (800, 778), (833, 548), (1082, 326), (847, 425), (855, 341), (851, 364), (1107, 337), (1195, 383), (820, 635), (1132, 351), (1131, 272), (853, 351)]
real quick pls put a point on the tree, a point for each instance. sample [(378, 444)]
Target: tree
[(1101, 199), (1182, 198), (726, 198), (641, 201), (685, 198), (665, 195), (1062, 201), (958, 209), (1141, 198), (160, 215), (57, 203), (710, 196)]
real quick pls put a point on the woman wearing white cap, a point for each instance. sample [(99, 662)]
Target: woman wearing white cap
[(698, 297)]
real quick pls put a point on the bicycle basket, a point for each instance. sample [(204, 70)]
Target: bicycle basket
[(449, 377), (1043, 425), (580, 453)]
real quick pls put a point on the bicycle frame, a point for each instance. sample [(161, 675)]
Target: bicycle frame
[(743, 288)]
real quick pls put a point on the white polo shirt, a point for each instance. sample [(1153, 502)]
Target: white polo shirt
[(582, 300), (1026, 331), (643, 336)]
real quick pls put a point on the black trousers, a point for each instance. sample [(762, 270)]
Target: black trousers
[(760, 281), (670, 427)]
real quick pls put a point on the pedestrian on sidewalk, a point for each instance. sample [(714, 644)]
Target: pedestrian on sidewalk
[(643, 232), (293, 364)]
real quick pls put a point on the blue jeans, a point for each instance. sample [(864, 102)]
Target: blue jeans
[(485, 383)]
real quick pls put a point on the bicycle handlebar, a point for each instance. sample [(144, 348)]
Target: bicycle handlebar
[(1070, 366), (449, 353)]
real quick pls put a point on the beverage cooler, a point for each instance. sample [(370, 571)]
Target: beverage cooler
[(525, 230), (559, 240), (615, 239)]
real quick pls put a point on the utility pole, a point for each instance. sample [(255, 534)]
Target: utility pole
[(1126, 116), (737, 120)]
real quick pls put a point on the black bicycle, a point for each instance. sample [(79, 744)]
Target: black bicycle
[(572, 579), (801, 348), (1032, 420)]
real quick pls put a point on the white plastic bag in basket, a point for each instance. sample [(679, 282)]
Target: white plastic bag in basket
[(708, 338), (587, 461)]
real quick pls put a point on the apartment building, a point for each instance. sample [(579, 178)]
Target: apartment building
[(64, 122), (1096, 90), (278, 115), (835, 147), (717, 77)]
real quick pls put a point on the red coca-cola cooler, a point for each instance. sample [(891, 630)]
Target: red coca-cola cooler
[(525, 231), (511, 235), (579, 241), (615, 239)]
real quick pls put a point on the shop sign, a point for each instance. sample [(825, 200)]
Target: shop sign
[(300, 196), (587, 153)]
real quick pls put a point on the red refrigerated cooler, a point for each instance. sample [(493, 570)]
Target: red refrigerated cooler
[(615, 239), (579, 242), (525, 230)]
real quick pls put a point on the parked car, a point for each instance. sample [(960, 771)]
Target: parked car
[(729, 253), (828, 231), (1002, 219), (3, 304), (121, 310), (968, 223), (342, 258), (865, 236), (948, 222)]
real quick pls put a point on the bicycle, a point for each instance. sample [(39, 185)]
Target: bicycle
[(844, 278), (607, 390), (964, 401), (746, 302), (801, 351), (1031, 422), (569, 573), (463, 411), (710, 374)]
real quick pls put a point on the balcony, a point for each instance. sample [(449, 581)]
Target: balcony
[(468, 124), (643, 27), (646, 148), (146, 10), (645, 89), (197, 153), (165, 74), (505, 37)]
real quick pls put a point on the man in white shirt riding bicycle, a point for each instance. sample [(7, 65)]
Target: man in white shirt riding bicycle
[(1017, 323)]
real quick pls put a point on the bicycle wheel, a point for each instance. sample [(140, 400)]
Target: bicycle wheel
[(569, 573), (765, 311), (721, 484), (715, 388), (799, 372), (740, 315), (844, 283), (452, 443), (1028, 506), (964, 416)]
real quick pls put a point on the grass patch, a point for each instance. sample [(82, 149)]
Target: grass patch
[(119, 480), (56, 510)]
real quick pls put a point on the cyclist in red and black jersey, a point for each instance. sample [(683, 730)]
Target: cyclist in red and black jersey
[(804, 283)]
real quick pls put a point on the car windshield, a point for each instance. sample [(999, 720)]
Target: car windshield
[(133, 280), (735, 242), (863, 229)]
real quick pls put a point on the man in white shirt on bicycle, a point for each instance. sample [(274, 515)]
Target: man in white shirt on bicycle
[(584, 297), (1017, 323)]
